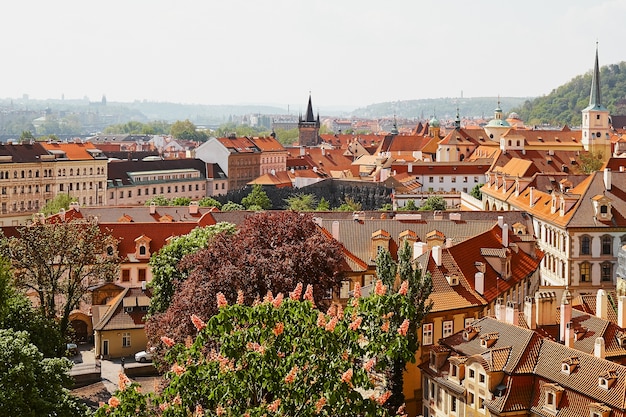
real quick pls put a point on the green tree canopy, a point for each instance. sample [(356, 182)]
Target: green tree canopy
[(476, 193), (61, 201), (282, 357), (159, 200), (257, 197), (209, 202), (34, 386), (232, 206), (166, 274), (187, 131), (59, 261), (350, 205), (434, 202), (301, 202)]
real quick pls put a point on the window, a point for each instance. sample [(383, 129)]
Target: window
[(453, 404), (472, 374), (470, 399), (481, 378), (125, 275), (585, 272), (448, 327), (440, 179), (585, 245), (607, 243), (427, 334), (141, 274), (481, 403), (126, 340), (607, 271), (453, 179)]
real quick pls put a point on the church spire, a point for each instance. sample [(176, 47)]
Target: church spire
[(595, 100), (309, 111)]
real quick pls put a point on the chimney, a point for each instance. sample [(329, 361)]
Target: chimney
[(323, 151), (599, 350), (500, 310), (512, 316), (419, 248), (500, 221), (302, 151), (75, 206), (505, 235), (152, 208), (566, 313), (532, 197), (602, 304), (607, 179), (335, 230), (621, 311), (62, 214), (479, 283), (545, 307), (569, 335), (436, 252), (530, 312), (193, 207)]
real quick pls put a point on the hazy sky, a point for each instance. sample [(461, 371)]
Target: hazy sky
[(346, 52)]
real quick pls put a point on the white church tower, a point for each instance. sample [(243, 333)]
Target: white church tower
[(596, 121)]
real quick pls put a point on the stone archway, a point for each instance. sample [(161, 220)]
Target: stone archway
[(82, 326)]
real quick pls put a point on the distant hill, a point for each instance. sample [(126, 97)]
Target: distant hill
[(564, 104), (443, 108)]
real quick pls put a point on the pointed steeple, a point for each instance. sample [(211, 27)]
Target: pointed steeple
[(595, 100), (309, 111)]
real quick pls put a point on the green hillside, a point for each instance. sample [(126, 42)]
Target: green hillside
[(563, 104)]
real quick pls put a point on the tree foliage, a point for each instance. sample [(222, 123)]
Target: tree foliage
[(31, 385), (61, 201), (591, 162), (564, 104), (231, 206), (209, 202), (59, 261), (282, 357), (188, 131), (350, 204), (166, 274), (138, 128), (434, 202), (301, 202), (270, 251), (257, 198), (476, 193)]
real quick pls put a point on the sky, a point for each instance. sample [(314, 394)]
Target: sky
[(344, 52)]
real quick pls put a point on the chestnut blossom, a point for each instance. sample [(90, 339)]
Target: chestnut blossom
[(308, 294), (347, 377), (321, 320), (122, 381), (297, 292), (380, 288), (114, 401), (278, 300), (404, 288), (385, 326), (269, 297), (197, 322), (221, 300), (404, 327), (273, 407), (331, 324), (291, 376), (369, 365), (240, 298), (319, 404), (177, 369), (357, 290), (169, 342), (356, 323), (279, 328)]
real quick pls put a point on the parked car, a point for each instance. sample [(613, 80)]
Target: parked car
[(144, 356), (72, 349)]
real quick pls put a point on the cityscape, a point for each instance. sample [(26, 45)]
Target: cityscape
[(242, 209)]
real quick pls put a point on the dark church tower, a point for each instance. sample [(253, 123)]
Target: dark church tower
[(309, 128)]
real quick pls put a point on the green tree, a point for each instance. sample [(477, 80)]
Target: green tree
[(209, 202), (349, 205), (26, 136), (301, 202), (323, 205), (59, 261), (590, 162), (187, 131), (403, 277), (409, 206), (287, 137), (257, 197), (282, 357), (61, 201), (180, 201), (434, 202), (476, 193), (166, 274), (17, 313), (159, 200), (34, 386), (232, 206)]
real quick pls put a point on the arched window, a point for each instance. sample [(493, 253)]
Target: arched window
[(142, 250), (607, 245), (585, 272), (607, 271), (585, 245)]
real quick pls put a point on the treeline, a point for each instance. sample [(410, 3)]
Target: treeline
[(564, 104)]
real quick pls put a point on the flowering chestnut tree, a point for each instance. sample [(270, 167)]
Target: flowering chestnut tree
[(283, 357)]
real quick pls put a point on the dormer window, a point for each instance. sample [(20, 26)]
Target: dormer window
[(568, 366), (602, 207), (380, 242), (552, 397), (142, 247), (469, 333), (488, 340), (599, 410), (607, 379)]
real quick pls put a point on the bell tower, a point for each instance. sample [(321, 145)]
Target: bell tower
[(595, 118), (309, 127)]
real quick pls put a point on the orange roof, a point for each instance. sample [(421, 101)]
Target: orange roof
[(73, 151)]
